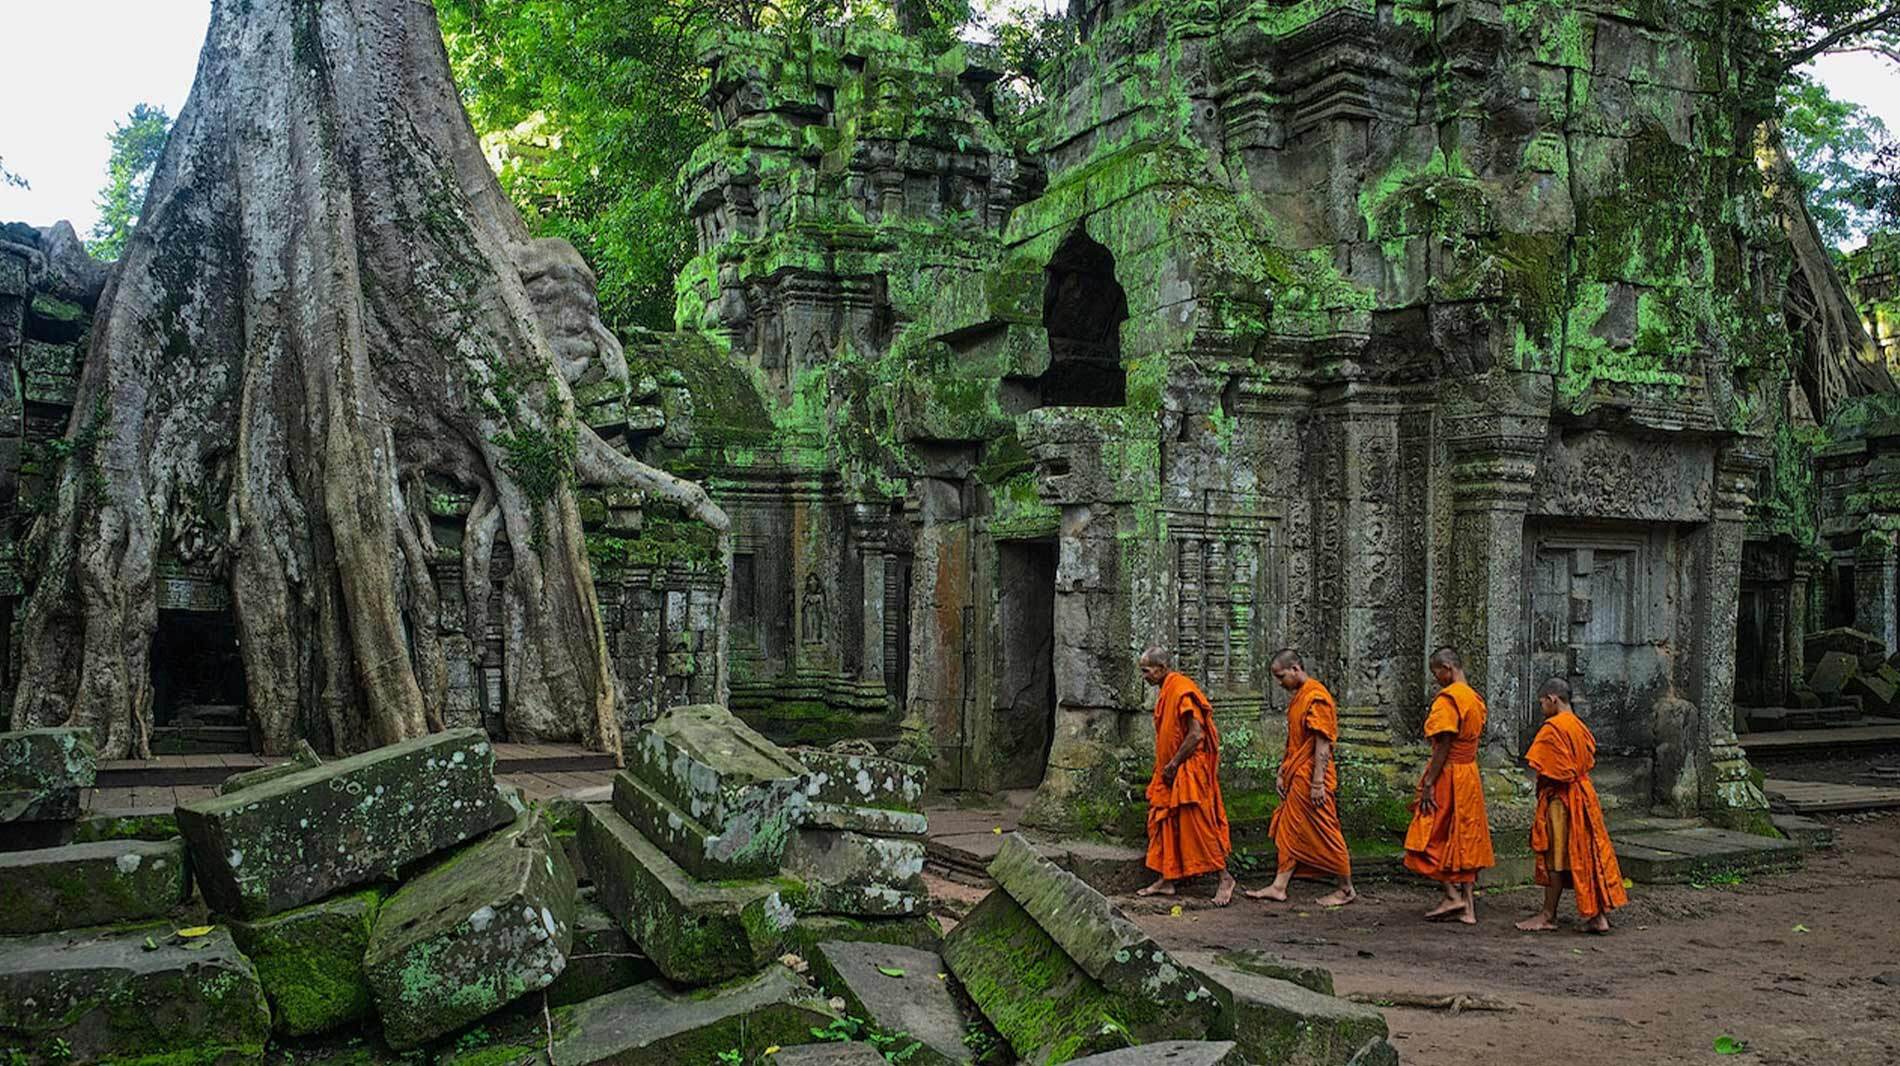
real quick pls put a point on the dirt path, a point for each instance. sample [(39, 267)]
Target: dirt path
[(1685, 964)]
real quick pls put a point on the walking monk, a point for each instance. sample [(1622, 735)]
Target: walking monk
[(1567, 831), (1450, 840), (1187, 823), (1305, 826)]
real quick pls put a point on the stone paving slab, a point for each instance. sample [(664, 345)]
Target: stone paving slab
[(1679, 855), (896, 989), (1827, 797), (481, 929), (1170, 1053), (696, 932), (91, 884), (199, 1003), (300, 838)]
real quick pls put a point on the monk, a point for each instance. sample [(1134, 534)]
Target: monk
[(1187, 822), (1305, 826), (1449, 840), (1567, 832)]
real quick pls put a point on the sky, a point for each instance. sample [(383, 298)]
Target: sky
[(74, 68)]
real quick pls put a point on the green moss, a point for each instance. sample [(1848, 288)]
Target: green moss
[(310, 961), (661, 541)]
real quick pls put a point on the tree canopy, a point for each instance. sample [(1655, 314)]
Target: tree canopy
[(137, 143)]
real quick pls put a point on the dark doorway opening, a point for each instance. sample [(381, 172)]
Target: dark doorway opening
[(1757, 648), (1840, 598), (1025, 704), (198, 694), (1083, 308)]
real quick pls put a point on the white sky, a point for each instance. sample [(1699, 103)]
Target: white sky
[(73, 68)]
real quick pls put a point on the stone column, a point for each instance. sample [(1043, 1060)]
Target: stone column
[(1800, 600), (1874, 587), (1709, 674)]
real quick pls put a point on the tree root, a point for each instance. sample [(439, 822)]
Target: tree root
[(1455, 1003)]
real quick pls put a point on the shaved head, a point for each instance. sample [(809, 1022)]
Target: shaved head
[(1447, 656), (1156, 655), (1286, 659), (1556, 687)]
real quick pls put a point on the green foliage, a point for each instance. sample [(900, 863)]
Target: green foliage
[(895, 1047), (137, 144), (1837, 148)]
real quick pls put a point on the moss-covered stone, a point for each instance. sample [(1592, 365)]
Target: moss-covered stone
[(716, 796), (310, 961), (91, 884), (42, 772), (151, 823), (1282, 1022)]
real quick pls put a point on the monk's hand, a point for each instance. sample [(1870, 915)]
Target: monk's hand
[(1167, 775), (1317, 794), (1427, 803), (1279, 786)]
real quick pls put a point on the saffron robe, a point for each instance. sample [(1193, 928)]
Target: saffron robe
[(1453, 842), (1563, 754), (1308, 838), (1187, 822)]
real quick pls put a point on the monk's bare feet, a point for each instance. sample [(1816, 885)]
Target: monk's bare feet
[(1445, 911), (1277, 895), (1599, 925), (1537, 923), (1163, 887), (1225, 893), (1338, 899), (1468, 916)]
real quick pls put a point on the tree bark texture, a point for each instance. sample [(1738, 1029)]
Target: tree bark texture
[(321, 314)]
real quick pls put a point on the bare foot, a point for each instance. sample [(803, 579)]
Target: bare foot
[(1338, 899), (1468, 918), (1225, 893), (1445, 910), (1598, 925), (1537, 923), (1163, 887), (1277, 895)]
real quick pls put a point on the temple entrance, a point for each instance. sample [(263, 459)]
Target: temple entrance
[(1758, 647), (1083, 308), (198, 694), (1024, 705)]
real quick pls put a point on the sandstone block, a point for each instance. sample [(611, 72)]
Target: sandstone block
[(1876, 694), (730, 795), (897, 990), (303, 758), (1281, 1022), (863, 780), (310, 962), (850, 873), (316, 832), (109, 998), (42, 772), (876, 821), (1170, 1053), (695, 932), (916, 931), (486, 926), (91, 884), (1832, 672), (1045, 1006), (604, 958), (1165, 1000), (1265, 964), (830, 1053)]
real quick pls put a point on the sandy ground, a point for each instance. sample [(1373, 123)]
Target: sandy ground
[(1684, 965)]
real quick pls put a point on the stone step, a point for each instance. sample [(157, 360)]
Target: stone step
[(696, 932), (896, 989), (1674, 856), (195, 1000), (300, 838), (91, 884), (489, 924), (1827, 797)]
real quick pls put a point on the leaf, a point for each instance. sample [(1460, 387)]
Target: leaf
[(943, 977), (1728, 1045), (998, 830), (1628, 884), (150, 944), (773, 1050), (195, 945), (890, 971), (197, 930), (1800, 928), (1174, 911)]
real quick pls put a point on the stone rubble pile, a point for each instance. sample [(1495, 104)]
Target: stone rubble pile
[(726, 895)]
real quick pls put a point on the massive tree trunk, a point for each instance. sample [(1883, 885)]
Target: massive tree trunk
[(320, 315), (1840, 361)]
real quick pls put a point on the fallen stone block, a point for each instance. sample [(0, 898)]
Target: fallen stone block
[(829, 1053), (1165, 1001), (918, 931), (1046, 1007), (875, 821), (1375, 1053), (42, 772), (91, 884), (696, 932), (603, 959), (862, 780), (651, 1024), (1265, 964), (1876, 694), (103, 995), (1832, 672), (1170, 1053), (711, 792), (319, 831), (303, 758), (897, 990), (142, 823), (850, 873), (310, 962), (1865, 648), (486, 926), (1283, 1023)]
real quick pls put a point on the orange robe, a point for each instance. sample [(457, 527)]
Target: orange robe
[(1308, 838), (1453, 843), (1562, 755), (1187, 822)]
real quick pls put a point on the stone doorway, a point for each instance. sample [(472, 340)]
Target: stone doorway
[(198, 693), (1023, 708), (1759, 646), (1083, 308)]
